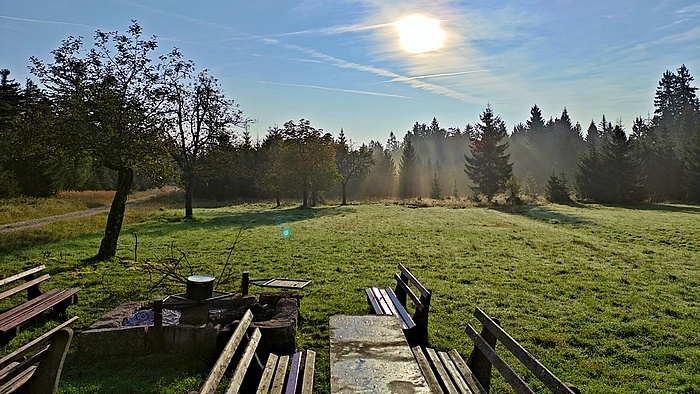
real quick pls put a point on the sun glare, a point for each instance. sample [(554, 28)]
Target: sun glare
[(420, 34)]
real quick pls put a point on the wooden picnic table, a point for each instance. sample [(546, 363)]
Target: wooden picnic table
[(370, 354)]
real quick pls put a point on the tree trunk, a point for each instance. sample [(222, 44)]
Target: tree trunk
[(189, 192), (108, 246), (277, 198), (305, 198), (345, 201)]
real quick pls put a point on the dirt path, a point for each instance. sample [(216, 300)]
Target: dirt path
[(40, 222)]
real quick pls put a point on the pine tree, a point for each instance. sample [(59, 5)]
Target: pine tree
[(536, 122), (588, 170), (691, 160), (488, 166), (620, 180), (435, 188), (557, 189), (409, 181)]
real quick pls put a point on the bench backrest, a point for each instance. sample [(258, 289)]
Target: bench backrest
[(222, 363), (31, 283), (484, 356), (36, 367), (404, 281)]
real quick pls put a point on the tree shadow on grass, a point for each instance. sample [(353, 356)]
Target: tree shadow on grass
[(236, 220), (553, 216), (675, 208)]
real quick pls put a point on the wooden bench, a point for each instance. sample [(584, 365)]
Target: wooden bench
[(447, 372), (394, 302), (274, 372), (36, 367), (37, 302)]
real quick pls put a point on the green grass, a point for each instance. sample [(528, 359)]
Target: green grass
[(606, 297)]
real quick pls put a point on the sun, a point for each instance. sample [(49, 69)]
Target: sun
[(420, 34)]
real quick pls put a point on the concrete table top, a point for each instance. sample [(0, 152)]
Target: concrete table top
[(369, 354)]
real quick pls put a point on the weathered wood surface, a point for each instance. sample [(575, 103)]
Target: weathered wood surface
[(370, 354), (36, 368), (226, 355)]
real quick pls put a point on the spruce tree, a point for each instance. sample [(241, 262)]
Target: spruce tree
[(409, 182), (435, 188), (489, 167), (588, 170), (691, 160), (620, 180)]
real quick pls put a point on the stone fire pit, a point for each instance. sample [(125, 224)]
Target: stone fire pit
[(276, 314)]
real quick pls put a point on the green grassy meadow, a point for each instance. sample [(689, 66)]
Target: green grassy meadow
[(606, 297)]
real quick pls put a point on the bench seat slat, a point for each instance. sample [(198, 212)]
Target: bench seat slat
[(30, 309), (441, 371), (268, 372), (402, 312), (466, 373), (280, 373), (373, 301), (293, 378), (428, 373), (383, 300), (543, 374), (457, 378), (309, 365), (508, 374)]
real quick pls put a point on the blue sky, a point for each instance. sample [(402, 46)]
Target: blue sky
[(339, 63)]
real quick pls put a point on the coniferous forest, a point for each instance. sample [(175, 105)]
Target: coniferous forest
[(84, 125)]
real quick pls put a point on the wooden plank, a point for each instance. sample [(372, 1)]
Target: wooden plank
[(373, 301), (34, 307), (293, 378), (23, 286), (466, 373), (308, 383), (401, 310), (543, 374), (280, 373), (35, 344), (427, 370), (242, 367), (394, 310), (14, 384), (21, 275), (266, 377), (414, 298), (457, 378), (383, 301), (19, 368), (226, 355), (441, 371), (508, 374), (423, 290)]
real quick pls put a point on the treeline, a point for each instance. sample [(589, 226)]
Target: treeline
[(66, 136)]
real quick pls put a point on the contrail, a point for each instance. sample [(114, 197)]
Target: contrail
[(404, 79), (335, 89), (47, 22)]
